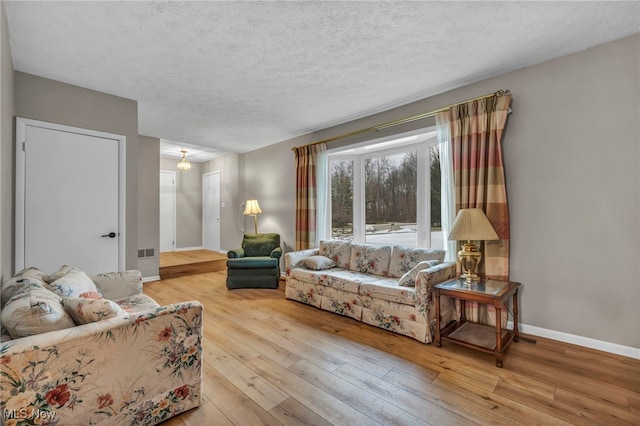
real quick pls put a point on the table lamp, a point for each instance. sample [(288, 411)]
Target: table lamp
[(252, 208), (471, 225)]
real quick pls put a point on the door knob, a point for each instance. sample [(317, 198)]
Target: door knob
[(110, 235)]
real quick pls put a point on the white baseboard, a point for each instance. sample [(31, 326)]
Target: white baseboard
[(587, 342), (152, 278), (188, 248)]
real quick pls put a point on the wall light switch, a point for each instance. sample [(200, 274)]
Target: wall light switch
[(222, 204)]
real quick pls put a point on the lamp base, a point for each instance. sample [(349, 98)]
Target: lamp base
[(469, 258), (470, 278)]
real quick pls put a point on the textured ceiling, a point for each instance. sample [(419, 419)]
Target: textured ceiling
[(236, 76), (194, 153)]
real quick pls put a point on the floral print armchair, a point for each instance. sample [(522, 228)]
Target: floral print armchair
[(140, 368)]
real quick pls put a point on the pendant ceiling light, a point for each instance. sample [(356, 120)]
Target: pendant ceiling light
[(184, 164)]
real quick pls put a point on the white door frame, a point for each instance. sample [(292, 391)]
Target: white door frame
[(21, 130), (203, 204), (175, 237)]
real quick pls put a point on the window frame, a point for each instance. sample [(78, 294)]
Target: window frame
[(427, 138)]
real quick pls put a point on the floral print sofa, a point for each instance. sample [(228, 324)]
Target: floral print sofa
[(386, 286), (130, 362)]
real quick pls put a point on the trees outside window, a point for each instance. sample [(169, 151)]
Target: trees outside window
[(342, 199), (389, 195)]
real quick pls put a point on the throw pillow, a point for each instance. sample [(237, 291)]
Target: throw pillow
[(32, 272), (339, 251), (64, 270), (409, 279), (75, 284), (84, 311), (317, 263), (113, 285), (404, 258), (11, 286), (34, 310)]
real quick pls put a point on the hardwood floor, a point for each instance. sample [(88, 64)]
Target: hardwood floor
[(179, 263), (273, 361)]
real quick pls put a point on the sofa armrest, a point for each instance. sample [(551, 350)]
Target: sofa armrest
[(235, 253), (276, 253), (429, 277), (115, 371), (116, 285), (292, 258)]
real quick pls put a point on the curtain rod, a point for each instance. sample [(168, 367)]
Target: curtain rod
[(403, 120)]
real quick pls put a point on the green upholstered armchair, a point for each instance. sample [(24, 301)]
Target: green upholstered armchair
[(256, 264)]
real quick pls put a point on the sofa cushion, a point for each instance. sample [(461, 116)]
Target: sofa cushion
[(257, 262), (85, 311), (388, 289), (339, 278), (34, 310), (137, 303), (75, 283), (409, 279), (370, 259), (338, 251), (317, 263), (405, 258), (11, 286)]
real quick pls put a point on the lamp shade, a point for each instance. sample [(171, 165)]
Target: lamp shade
[(472, 225), (252, 207)]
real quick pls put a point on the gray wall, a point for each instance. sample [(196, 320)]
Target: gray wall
[(56, 102), (149, 204), (188, 203), (231, 196), (6, 151), (572, 158), (273, 184)]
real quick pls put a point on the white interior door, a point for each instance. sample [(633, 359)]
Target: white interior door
[(211, 211), (69, 198), (167, 210)]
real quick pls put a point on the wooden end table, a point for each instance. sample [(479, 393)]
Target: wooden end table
[(471, 334)]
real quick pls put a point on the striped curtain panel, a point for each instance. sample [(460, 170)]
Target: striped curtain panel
[(478, 174), (306, 158)]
